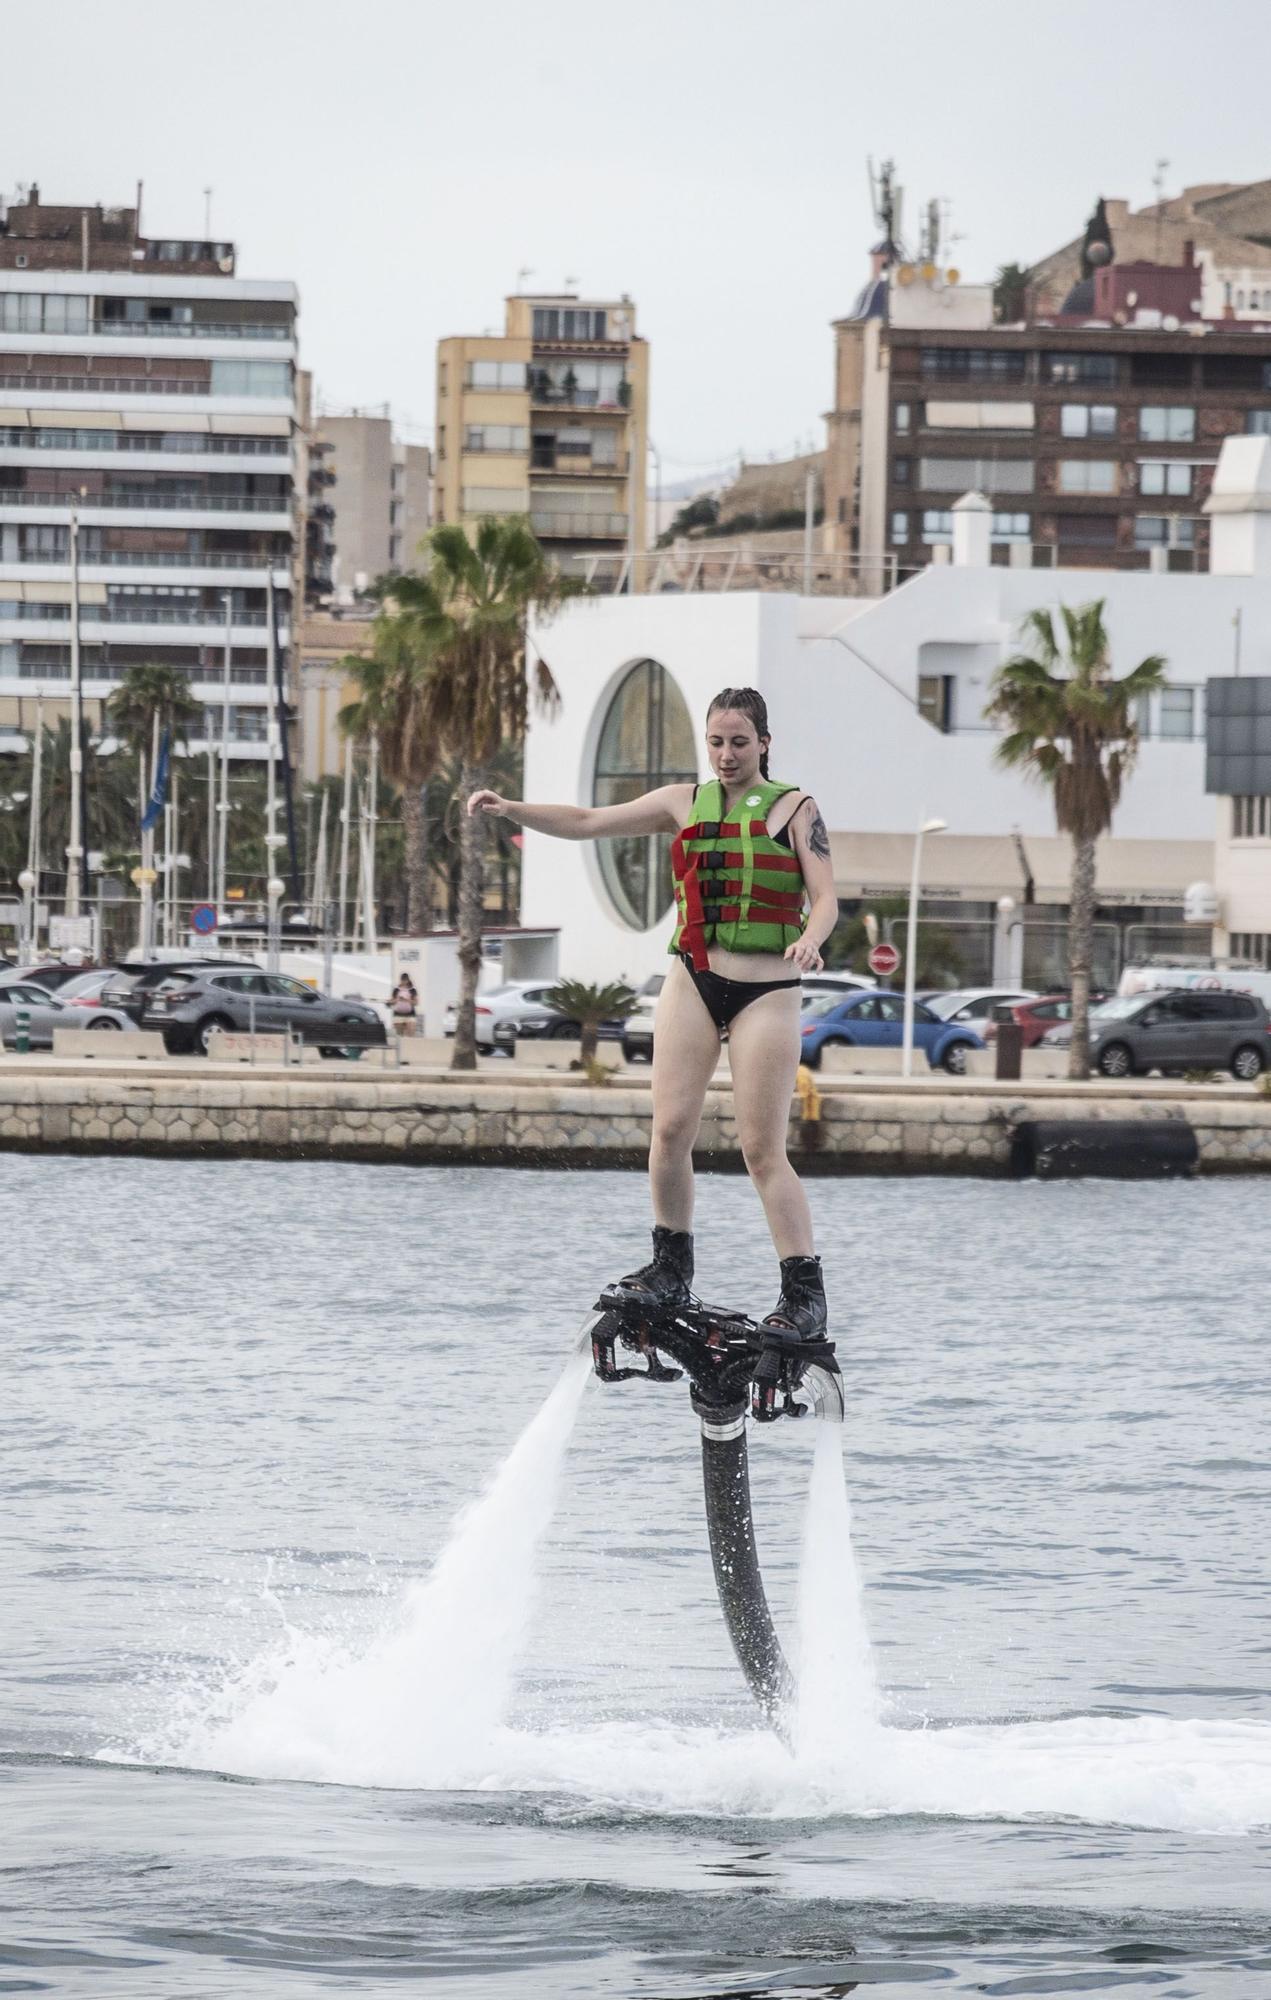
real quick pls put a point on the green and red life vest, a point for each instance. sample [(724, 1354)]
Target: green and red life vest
[(735, 885)]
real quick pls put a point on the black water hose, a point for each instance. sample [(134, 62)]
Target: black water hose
[(726, 1480)]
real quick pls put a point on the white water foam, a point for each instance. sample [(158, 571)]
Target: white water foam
[(423, 1706), (431, 1690), (838, 1688)]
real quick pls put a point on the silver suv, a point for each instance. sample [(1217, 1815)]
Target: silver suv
[(1176, 1031), (187, 1006)]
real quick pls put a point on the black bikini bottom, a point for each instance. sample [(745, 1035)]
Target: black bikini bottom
[(723, 998)]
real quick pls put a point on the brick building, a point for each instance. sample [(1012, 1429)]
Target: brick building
[(1094, 433)]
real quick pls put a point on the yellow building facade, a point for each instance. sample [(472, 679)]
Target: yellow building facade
[(549, 419)]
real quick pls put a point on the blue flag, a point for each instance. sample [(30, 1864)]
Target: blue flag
[(159, 791)]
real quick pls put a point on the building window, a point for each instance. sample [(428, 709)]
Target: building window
[(937, 525), (496, 437), (899, 526), (646, 740), (1252, 947), (998, 415), (967, 475), (1251, 818), (495, 500), (569, 323), (1087, 531), (1167, 424), (250, 378), (441, 441), (842, 509), (1079, 420), (496, 375), (1087, 475), (1080, 368), (43, 312), (1178, 711), (1258, 423), (901, 417), (1165, 476), (935, 701), (900, 471), (1164, 531), (1001, 364), (1011, 528)]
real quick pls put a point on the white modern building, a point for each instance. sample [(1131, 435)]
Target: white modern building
[(147, 394), (877, 708)]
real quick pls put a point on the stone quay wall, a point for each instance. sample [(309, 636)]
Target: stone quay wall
[(864, 1125)]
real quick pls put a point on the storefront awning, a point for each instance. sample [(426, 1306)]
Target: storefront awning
[(981, 867)]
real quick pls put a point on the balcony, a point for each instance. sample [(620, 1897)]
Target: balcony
[(579, 527), (105, 614), (190, 559), (188, 330), (107, 385), (547, 396), (563, 466), (143, 502), (193, 443)]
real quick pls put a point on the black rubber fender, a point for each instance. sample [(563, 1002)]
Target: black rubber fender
[(1125, 1149)]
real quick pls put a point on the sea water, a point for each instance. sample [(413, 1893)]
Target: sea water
[(352, 1637)]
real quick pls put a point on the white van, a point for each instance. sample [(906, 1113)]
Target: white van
[(1196, 979)]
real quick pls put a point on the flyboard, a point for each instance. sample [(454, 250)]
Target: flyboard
[(735, 1368)]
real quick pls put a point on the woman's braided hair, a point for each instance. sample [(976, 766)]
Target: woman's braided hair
[(750, 703)]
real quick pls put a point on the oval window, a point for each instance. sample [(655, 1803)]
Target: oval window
[(646, 740)]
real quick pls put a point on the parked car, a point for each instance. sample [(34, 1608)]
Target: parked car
[(46, 1011), (51, 974), (971, 1006), (1034, 1017), (519, 1011), (186, 1006), (1173, 1032), (86, 990), (876, 1021), (131, 984)]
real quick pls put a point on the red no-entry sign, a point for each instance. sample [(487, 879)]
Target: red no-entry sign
[(884, 959)]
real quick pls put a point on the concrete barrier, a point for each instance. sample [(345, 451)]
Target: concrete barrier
[(1034, 1063), (227, 1045), (838, 1061), (144, 1045)]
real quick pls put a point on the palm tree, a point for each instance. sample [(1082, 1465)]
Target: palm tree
[(590, 1006), (148, 692), (464, 621), (1071, 725), (390, 684)]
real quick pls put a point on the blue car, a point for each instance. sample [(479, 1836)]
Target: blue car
[(876, 1020)]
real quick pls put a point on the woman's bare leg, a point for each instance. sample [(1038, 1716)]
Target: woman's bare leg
[(763, 1046), (685, 1052)]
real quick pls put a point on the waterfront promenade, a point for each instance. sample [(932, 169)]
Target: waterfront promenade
[(519, 1116)]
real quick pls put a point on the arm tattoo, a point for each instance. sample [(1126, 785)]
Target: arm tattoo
[(818, 838)]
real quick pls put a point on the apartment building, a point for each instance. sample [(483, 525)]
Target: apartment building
[(548, 419), (1094, 432), (147, 398), (380, 495)]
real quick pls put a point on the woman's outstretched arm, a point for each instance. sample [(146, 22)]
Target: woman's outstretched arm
[(662, 811)]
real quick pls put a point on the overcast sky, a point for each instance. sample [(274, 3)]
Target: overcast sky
[(402, 160)]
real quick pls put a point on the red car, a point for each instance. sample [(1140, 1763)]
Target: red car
[(1033, 1016)]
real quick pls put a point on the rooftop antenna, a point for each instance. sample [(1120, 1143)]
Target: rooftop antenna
[(886, 198), (1158, 182), (207, 214), (526, 271), (570, 283)]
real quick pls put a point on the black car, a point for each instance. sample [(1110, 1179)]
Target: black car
[(131, 986), (187, 1005)]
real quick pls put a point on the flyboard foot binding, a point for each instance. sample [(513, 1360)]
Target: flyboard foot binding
[(784, 1361)]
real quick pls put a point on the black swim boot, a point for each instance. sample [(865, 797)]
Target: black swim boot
[(801, 1307), (795, 1336), (665, 1282)]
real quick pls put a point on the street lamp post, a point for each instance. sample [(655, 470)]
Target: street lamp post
[(75, 845), (26, 882), (911, 947), (273, 889)]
